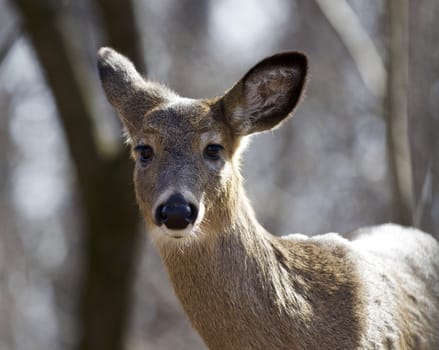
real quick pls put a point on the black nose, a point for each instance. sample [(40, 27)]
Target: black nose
[(176, 213)]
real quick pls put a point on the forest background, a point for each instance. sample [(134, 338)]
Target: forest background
[(77, 269)]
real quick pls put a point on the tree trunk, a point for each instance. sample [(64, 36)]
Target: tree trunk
[(398, 145), (424, 111), (109, 213), (120, 26)]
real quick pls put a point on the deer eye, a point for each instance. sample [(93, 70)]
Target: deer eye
[(145, 153), (212, 152)]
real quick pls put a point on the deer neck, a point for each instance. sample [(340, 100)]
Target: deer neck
[(228, 276), (237, 278)]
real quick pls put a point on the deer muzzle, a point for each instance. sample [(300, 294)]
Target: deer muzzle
[(176, 213)]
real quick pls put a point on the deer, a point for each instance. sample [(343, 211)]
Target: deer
[(240, 286)]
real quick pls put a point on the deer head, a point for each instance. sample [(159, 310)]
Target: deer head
[(186, 151)]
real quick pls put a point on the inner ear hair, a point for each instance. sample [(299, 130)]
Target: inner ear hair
[(267, 94)]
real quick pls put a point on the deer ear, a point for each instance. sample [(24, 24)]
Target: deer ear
[(267, 94), (126, 90)]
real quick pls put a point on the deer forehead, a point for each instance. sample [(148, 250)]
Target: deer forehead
[(182, 120)]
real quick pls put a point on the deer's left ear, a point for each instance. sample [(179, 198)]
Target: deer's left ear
[(267, 94)]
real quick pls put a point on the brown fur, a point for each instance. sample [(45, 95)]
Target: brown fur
[(241, 287)]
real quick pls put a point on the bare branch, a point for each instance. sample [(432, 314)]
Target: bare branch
[(11, 38), (424, 196), (359, 44)]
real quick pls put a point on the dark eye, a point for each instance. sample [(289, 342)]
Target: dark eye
[(145, 153), (212, 152)]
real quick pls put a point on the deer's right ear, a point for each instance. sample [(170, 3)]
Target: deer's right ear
[(126, 90), (267, 94)]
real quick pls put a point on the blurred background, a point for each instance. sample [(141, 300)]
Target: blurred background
[(77, 269)]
